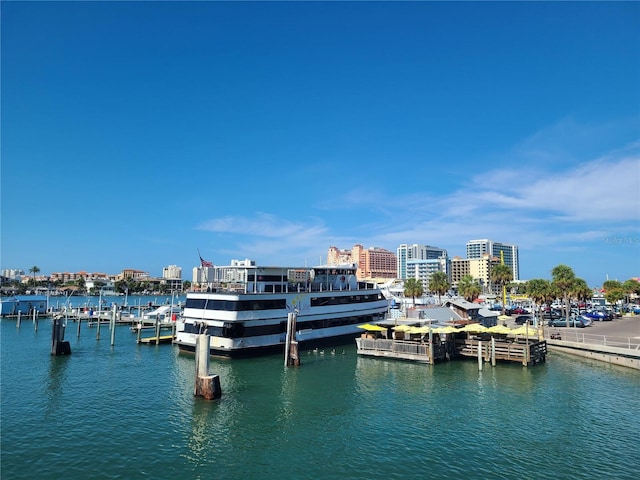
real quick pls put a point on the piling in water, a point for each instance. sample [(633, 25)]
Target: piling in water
[(58, 345), (207, 386)]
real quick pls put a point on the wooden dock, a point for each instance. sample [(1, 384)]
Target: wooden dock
[(527, 353), (155, 340)]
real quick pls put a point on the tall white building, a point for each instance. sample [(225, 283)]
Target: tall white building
[(172, 272), (406, 253), (423, 269), (477, 248)]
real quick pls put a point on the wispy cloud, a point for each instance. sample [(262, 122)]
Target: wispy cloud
[(534, 207)]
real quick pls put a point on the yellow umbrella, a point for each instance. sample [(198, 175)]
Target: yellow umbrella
[(500, 329), (473, 328), (447, 329), (523, 331), (372, 328), (403, 328)]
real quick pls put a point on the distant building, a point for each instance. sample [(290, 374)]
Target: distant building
[(478, 268), (423, 269), (172, 272), (131, 274), (407, 253), (373, 262), (477, 248), (12, 274)]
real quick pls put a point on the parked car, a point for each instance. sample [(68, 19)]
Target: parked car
[(552, 314), (522, 319), (517, 311), (574, 322), (599, 315)]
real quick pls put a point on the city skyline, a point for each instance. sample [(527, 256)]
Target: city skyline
[(142, 134)]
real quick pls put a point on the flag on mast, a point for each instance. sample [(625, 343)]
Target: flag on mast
[(204, 263)]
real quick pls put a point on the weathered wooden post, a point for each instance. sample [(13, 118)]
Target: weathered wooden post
[(58, 345), (479, 355), (157, 329), (431, 360), (79, 325), (113, 326), (19, 319), (291, 357), (139, 325), (35, 319), (207, 386), (98, 329), (493, 352)]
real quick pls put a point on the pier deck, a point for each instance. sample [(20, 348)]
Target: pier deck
[(527, 353)]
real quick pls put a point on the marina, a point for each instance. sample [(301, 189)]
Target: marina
[(395, 419)]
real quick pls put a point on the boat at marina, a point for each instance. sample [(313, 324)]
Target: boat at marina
[(245, 308)]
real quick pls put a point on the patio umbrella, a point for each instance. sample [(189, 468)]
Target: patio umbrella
[(499, 329), (532, 332), (447, 329), (372, 328), (473, 328), (403, 328)]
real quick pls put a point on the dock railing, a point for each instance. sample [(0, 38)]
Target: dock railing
[(394, 346), (578, 336)]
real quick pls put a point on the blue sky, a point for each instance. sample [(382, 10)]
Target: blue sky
[(136, 133)]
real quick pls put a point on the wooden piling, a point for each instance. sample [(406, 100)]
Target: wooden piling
[(98, 329), (79, 325), (493, 352), (113, 326), (19, 319), (157, 330), (291, 357), (479, 355), (58, 345), (207, 386), (35, 320)]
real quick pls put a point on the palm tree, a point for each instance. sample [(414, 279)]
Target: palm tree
[(35, 269), (538, 290), (630, 287), (581, 291), (413, 288), (439, 283), (501, 275), (469, 288), (563, 281)]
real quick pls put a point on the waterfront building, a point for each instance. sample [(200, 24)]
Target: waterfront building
[(405, 253), (477, 248), (131, 274), (423, 269), (12, 274), (172, 272), (478, 268), (372, 262)]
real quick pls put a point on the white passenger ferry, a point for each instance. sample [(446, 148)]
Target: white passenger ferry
[(245, 308)]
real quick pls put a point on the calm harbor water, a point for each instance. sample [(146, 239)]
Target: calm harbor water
[(128, 411)]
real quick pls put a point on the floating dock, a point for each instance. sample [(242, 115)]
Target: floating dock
[(155, 340)]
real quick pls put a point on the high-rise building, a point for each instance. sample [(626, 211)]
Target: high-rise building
[(478, 268), (423, 269), (172, 272), (477, 248), (405, 253), (373, 262)]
